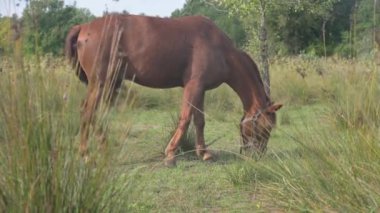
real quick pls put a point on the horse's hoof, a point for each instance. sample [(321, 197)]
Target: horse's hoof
[(170, 162), (207, 156), (86, 159), (84, 155), (201, 151)]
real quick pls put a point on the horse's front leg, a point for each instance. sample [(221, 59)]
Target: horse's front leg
[(191, 96), (199, 123)]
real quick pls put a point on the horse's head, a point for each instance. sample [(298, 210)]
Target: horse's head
[(255, 130)]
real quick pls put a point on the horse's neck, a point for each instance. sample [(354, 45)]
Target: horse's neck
[(252, 96), (246, 82)]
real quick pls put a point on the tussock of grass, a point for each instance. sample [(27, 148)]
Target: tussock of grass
[(40, 168), (187, 142)]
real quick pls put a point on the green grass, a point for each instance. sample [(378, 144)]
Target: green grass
[(40, 169), (335, 164), (323, 155)]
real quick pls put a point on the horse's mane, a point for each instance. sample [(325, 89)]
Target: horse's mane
[(255, 73)]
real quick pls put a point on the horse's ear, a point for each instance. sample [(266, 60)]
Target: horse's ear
[(274, 107)]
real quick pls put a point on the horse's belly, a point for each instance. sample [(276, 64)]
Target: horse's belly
[(155, 78)]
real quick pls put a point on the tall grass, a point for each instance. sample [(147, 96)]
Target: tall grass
[(332, 164), (40, 168), (336, 165)]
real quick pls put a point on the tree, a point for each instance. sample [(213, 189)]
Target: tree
[(10, 34), (46, 23), (323, 11), (5, 35), (232, 26), (244, 8), (296, 25), (362, 19), (366, 23)]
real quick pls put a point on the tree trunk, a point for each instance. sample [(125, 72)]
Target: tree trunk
[(377, 40), (354, 47), (324, 36), (17, 42), (264, 55), (376, 34), (375, 30)]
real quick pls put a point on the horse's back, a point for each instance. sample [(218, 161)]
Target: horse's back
[(163, 52)]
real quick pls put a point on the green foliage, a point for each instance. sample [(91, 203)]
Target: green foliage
[(365, 20), (296, 27), (46, 24), (330, 16), (240, 7), (187, 142), (232, 26), (5, 35)]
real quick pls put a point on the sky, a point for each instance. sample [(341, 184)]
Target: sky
[(161, 8)]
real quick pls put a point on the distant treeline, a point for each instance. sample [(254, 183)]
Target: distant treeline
[(42, 27), (343, 27), (296, 27)]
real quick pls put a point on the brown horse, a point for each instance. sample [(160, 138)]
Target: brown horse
[(189, 52)]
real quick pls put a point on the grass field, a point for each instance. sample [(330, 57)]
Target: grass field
[(324, 154)]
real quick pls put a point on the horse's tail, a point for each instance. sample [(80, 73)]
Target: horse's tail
[(71, 52), (71, 44)]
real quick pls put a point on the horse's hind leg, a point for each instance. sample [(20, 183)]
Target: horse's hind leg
[(88, 110), (192, 97), (98, 90)]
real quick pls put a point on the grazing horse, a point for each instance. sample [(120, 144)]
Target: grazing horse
[(189, 52)]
